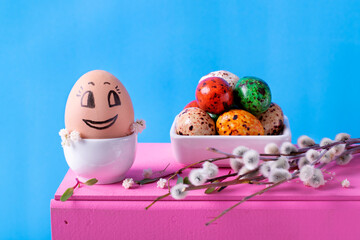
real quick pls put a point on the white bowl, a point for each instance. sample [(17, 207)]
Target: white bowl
[(107, 160), (191, 149)]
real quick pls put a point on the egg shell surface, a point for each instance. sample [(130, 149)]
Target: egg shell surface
[(253, 95), (99, 107), (192, 104), (214, 95), (272, 120), (213, 116), (231, 78), (238, 122), (194, 121)]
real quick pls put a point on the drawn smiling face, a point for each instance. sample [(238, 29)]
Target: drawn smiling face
[(88, 101), (99, 107)]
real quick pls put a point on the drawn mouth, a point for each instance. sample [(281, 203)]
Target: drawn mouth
[(101, 124)]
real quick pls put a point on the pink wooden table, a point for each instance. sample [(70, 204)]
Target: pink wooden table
[(291, 211)]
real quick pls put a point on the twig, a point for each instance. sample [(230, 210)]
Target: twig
[(245, 199), (157, 199), (211, 149), (151, 180), (219, 184), (222, 177), (350, 147), (191, 165), (293, 176)]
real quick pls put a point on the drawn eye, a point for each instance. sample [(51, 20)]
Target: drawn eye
[(113, 99), (87, 100)]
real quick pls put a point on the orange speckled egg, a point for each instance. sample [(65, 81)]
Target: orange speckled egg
[(99, 106), (238, 122)]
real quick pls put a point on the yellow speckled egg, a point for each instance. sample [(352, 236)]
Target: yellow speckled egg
[(238, 122)]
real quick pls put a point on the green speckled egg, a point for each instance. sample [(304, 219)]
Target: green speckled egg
[(253, 95)]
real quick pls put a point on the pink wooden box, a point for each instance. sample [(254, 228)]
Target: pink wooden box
[(291, 211)]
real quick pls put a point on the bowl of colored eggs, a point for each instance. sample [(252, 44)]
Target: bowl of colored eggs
[(227, 112)]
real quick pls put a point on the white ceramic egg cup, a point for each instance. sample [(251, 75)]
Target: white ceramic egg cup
[(191, 149), (107, 160)]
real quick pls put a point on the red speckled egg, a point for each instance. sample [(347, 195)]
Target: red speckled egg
[(192, 104), (214, 95), (238, 122)]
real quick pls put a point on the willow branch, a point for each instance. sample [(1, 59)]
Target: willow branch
[(245, 199)]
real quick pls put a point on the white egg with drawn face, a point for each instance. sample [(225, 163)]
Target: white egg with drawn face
[(99, 107)]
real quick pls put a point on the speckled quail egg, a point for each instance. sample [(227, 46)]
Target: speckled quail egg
[(272, 120), (214, 95), (238, 122), (253, 95), (231, 78), (194, 121)]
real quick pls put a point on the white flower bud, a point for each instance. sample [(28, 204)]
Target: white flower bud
[(312, 155), (328, 156), (197, 177), (138, 126), (245, 170), (306, 172), (338, 149), (147, 173), (239, 151), (65, 137), (251, 159), (63, 133), (75, 136), (265, 169), (302, 162), (281, 162), (161, 183), (288, 148), (127, 183), (179, 191), (317, 179), (325, 142), (279, 174), (271, 148), (342, 137), (305, 141), (235, 164), (345, 183), (344, 159), (210, 169)]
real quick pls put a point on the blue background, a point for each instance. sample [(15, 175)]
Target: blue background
[(307, 52)]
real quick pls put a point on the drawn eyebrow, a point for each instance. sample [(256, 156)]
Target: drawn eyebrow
[(106, 83), (117, 89), (79, 92), (91, 83)]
